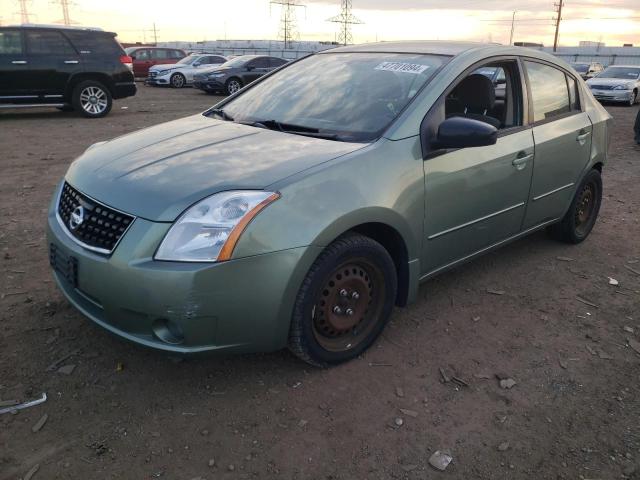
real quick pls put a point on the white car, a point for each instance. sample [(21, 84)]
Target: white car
[(617, 83), (180, 74)]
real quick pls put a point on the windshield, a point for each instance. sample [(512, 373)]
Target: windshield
[(580, 67), (350, 96), (625, 73), (188, 60), (238, 61)]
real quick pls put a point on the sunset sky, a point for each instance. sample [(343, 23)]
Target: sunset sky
[(614, 22)]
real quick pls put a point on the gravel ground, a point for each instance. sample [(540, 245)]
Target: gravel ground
[(126, 412)]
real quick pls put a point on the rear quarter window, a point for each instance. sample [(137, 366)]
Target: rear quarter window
[(100, 44)]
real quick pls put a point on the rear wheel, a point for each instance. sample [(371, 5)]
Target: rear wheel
[(583, 212), (92, 99), (177, 80), (344, 302), (232, 86)]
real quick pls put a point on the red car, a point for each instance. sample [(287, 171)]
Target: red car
[(145, 57)]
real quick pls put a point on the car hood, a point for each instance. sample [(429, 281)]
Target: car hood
[(162, 68), (215, 68), (610, 81), (158, 172)]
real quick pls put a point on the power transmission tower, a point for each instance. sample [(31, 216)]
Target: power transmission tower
[(288, 30), (66, 18), (557, 19), (24, 13), (345, 19)]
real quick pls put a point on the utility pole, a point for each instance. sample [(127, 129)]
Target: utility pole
[(513, 23), (557, 20), (288, 31), (345, 19), (155, 35)]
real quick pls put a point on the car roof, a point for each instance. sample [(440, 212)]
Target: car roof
[(47, 26), (624, 66), (433, 47)]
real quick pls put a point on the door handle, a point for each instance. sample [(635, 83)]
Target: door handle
[(520, 162), (582, 138), (71, 61), (19, 62)]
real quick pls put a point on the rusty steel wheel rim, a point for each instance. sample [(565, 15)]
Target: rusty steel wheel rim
[(348, 305), (585, 207)]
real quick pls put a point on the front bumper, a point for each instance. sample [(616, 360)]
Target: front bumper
[(209, 85), (613, 95), (157, 81), (243, 305)]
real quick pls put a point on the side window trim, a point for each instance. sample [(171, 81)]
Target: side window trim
[(561, 69)]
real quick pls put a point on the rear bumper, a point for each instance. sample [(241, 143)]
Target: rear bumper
[(125, 89)]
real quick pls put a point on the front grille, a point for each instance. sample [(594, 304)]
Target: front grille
[(602, 87), (93, 224), (152, 74)]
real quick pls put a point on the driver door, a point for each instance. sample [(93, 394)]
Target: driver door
[(476, 197)]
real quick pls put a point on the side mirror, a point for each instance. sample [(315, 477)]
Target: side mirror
[(250, 68), (462, 132), (196, 64)]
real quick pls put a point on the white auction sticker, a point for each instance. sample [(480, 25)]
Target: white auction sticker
[(402, 67)]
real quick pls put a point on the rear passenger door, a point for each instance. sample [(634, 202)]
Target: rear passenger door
[(14, 70), (52, 61), (562, 136)]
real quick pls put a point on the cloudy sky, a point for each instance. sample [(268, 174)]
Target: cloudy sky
[(612, 21)]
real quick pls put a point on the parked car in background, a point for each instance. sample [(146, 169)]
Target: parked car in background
[(587, 70), (617, 83), (146, 57), (181, 73), (236, 73), (70, 68), (300, 210)]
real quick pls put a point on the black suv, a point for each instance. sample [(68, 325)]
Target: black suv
[(71, 68)]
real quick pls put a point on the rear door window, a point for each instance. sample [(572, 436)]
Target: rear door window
[(573, 94), (48, 43), (11, 42), (549, 92), (262, 62), (175, 54), (159, 54), (92, 42), (276, 62)]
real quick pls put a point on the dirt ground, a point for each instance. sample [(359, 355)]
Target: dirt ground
[(127, 412)]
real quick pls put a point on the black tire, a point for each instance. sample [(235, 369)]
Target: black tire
[(232, 86), (177, 80), (83, 102), (354, 264), (579, 220), (634, 98)]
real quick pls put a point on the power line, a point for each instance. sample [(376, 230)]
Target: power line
[(66, 18), (288, 30), (345, 19)]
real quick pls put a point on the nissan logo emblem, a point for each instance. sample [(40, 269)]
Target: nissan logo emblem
[(77, 217)]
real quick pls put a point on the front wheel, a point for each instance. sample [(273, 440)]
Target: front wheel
[(177, 80), (232, 86), (583, 212), (633, 99), (92, 99), (344, 302)]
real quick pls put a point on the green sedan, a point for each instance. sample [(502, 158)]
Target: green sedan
[(299, 211)]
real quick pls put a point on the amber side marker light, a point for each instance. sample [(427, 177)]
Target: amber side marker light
[(234, 236)]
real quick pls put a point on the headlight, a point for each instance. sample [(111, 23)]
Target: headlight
[(216, 75), (209, 230), (622, 87), (164, 72)]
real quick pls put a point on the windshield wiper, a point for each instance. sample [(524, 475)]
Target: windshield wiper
[(222, 114), (293, 129)]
